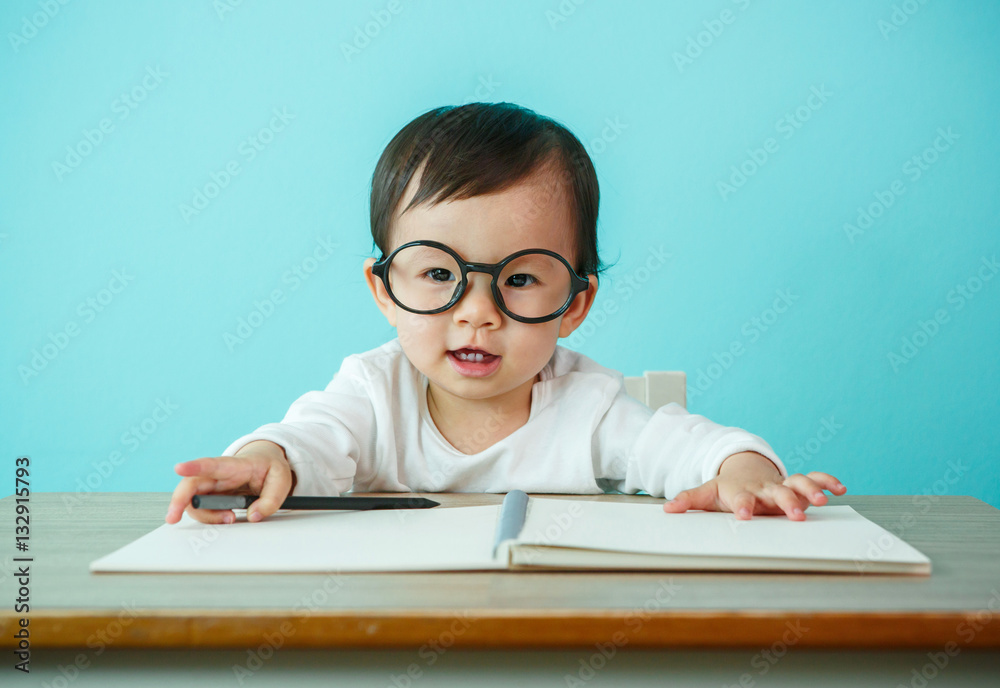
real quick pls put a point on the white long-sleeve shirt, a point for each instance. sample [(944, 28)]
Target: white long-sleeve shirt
[(370, 431)]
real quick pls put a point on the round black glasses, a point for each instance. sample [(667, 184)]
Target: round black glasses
[(531, 286)]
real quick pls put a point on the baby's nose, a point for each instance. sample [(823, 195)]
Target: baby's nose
[(477, 303)]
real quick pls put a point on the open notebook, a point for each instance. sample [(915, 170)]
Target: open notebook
[(522, 533)]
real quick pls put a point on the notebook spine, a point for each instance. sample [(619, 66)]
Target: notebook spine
[(512, 515)]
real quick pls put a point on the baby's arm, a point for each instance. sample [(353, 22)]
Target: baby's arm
[(323, 436), (258, 468), (749, 483), (666, 451), (699, 464), (315, 448)]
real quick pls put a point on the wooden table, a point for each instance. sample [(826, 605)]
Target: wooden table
[(590, 615)]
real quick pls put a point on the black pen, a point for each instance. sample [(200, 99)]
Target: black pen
[(221, 501)]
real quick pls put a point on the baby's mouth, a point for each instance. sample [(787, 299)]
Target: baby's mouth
[(474, 363), (473, 355)]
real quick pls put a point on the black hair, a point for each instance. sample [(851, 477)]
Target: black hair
[(481, 148)]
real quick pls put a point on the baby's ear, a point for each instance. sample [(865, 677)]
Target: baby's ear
[(381, 296), (577, 312)]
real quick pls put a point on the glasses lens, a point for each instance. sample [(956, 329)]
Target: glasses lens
[(424, 278), (534, 285)]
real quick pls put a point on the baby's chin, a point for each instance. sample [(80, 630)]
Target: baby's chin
[(502, 389)]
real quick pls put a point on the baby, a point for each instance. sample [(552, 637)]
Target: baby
[(486, 219)]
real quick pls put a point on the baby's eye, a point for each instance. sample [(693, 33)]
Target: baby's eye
[(521, 280), (439, 274)]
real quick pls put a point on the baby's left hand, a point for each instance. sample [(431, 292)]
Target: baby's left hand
[(751, 490)]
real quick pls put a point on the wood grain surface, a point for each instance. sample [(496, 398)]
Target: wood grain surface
[(71, 607)]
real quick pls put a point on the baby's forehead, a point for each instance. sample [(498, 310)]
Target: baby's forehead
[(489, 227), (488, 243)]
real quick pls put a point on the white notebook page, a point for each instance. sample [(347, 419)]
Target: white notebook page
[(436, 538), (829, 532)]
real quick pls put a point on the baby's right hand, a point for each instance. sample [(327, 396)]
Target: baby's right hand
[(259, 468)]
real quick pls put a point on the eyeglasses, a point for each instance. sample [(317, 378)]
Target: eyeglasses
[(531, 286)]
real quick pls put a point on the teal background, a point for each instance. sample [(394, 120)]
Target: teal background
[(89, 420)]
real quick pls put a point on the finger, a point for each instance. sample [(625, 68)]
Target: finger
[(191, 468), (828, 482), (742, 505), (211, 515), (678, 504), (188, 488), (219, 467), (701, 497), (787, 500), (181, 502), (207, 475), (181, 498), (807, 487), (277, 485)]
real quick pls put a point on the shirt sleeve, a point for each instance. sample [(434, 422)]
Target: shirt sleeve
[(666, 451), (324, 433)]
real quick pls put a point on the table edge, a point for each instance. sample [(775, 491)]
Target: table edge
[(486, 628)]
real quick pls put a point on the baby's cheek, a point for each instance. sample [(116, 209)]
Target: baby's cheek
[(536, 348), (418, 334)]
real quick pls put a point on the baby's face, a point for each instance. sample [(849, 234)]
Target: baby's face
[(485, 229)]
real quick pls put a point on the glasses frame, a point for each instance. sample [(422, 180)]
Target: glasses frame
[(577, 283)]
